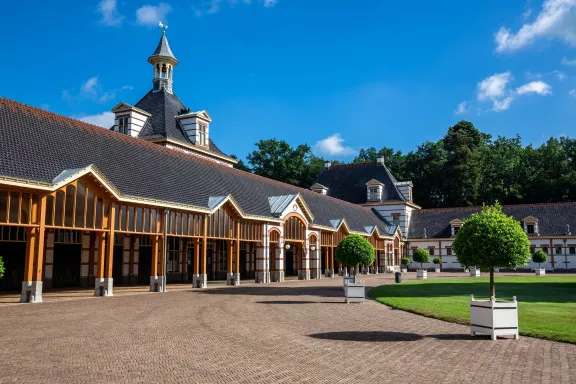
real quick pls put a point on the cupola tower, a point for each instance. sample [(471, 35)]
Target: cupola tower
[(163, 61)]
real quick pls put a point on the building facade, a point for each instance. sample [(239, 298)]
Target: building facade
[(153, 199), (372, 185)]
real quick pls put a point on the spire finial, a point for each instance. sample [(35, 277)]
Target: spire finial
[(163, 27)]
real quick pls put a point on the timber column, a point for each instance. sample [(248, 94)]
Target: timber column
[(233, 275), (200, 280), (330, 262), (304, 272), (104, 281), (32, 284), (155, 282)]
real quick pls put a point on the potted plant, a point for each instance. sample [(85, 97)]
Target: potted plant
[(437, 262), (474, 272), (355, 250), (404, 262), (421, 256), (540, 257), (491, 239)]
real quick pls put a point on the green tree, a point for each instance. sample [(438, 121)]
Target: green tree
[(491, 239), (437, 260), (539, 257), (462, 170), (405, 261), (277, 160), (421, 256), (424, 168), (240, 164), (2, 270), (355, 250)]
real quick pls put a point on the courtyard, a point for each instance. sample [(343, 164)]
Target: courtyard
[(296, 331)]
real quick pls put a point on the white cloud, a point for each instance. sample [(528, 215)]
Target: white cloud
[(537, 87), (92, 90), (559, 75), (333, 146), (502, 105), (494, 87), (462, 108), (150, 15), (557, 19), (209, 7), (104, 119), (566, 61), (109, 13), (572, 92)]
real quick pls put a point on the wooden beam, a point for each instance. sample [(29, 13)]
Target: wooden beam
[(30, 253), (110, 254), (154, 270), (196, 256), (237, 248), (41, 235), (101, 241), (204, 243)]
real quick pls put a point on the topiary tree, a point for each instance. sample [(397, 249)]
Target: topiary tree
[(491, 239), (421, 256), (2, 270), (355, 250), (405, 261), (539, 257), (437, 260)]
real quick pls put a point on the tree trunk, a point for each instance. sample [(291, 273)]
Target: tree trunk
[(492, 290)]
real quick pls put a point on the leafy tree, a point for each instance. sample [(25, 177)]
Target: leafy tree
[(2, 270), (425, 168), (437, 260), (355, 250), (405, 261), (491, 239), (421, 256), (539, 257), (240, 164)]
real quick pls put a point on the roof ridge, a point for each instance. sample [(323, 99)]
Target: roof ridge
[(476, 207)]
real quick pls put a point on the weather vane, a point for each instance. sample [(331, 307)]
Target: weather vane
[(162, 26)]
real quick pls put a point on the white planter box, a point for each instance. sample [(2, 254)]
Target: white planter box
[(355, 293), (421, 275), (437, 270), (474, 272), (494, 318), (540, 272), (404, 270), (349, 280)]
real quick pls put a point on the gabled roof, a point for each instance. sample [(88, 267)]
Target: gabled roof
[(36, 146), (164, 107), (553, 218), (163, 49), (348, 182)]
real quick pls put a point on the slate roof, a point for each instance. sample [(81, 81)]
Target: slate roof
[(164, 107), (348, 182), (552, 218), (163, 49), (38, 145)]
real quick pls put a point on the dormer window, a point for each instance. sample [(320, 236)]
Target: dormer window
[(375, 191), (530, 225), (455, 226), (123, 124), (319, 188), (202, 134), (396, 218)]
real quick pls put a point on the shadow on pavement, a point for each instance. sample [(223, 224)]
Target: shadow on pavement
[(298, 302), (458, 336), (374, 336), (262, 290)]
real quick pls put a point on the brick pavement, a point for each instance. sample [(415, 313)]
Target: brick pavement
[(275, 333)]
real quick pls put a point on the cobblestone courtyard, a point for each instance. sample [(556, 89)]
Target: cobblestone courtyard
[(276, 333)]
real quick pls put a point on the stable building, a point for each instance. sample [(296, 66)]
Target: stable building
[(85, 206), (373, 185)]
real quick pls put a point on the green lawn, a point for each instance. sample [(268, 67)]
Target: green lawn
[(546, 305)]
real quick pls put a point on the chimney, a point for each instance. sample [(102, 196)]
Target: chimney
[(327, 164), (380, 161)]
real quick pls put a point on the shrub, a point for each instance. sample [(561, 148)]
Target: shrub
[(355, 250), (405, 261), (491, 239), (539, 257), (2, 270), (421, 256), (437, 260)]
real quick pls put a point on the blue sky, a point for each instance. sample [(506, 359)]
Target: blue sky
[(339, 75)]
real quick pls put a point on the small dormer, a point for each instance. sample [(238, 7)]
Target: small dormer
[(530, 225), (129, 120), (405, 188), (375, 191), (455, 226), (196, 125), (319, 188)]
